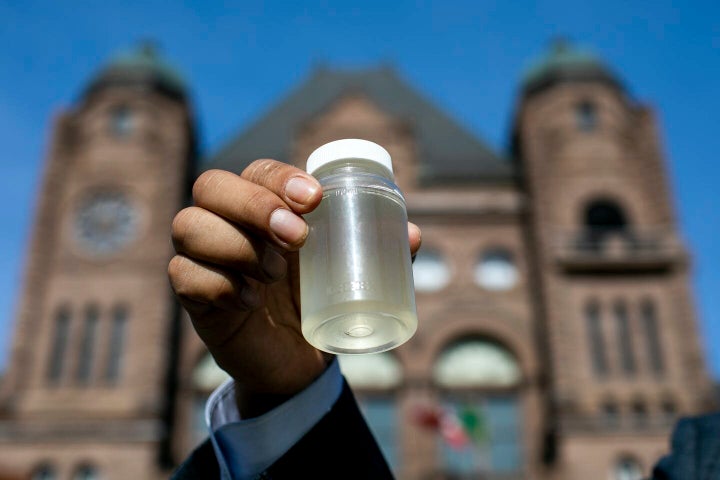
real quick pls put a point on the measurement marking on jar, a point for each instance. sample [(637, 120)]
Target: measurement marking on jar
[(353, 286), (345, 191)]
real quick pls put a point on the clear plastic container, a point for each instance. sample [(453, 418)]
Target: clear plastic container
[(356, 284)]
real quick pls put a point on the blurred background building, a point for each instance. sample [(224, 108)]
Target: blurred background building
[(557, 336)]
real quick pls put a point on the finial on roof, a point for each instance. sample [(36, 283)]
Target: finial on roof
[(565, 62), (140, 66), (149, 47), (560, 44)]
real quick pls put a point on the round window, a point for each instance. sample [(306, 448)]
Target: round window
[(105, 222), (496, 270), (430, 271)]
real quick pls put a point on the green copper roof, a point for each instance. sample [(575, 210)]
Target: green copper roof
[(566, 62), (144, 67)]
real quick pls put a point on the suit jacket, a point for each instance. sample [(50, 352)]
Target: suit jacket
[(340, 445), (695, 451)]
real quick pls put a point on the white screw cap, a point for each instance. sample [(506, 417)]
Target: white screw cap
[(347, 149)]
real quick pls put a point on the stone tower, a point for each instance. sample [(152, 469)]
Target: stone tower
[(87, 388), (611, 273)]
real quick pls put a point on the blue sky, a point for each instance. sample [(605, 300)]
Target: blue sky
[(466, 56)]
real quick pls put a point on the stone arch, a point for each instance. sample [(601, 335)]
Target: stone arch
[(608, 196), (491, 409), (604, 213), (476, 362), (493, 330)]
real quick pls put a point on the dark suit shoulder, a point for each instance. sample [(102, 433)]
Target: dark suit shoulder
[(695, 451), (201, 464)]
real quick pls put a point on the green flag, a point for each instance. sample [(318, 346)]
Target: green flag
[(473, 422)]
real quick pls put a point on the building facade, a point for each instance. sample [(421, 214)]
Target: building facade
[(557, 337)]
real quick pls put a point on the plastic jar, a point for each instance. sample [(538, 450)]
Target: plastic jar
[(356, 284)]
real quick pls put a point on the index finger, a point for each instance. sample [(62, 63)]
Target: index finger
[(250, 206), (300, 190)]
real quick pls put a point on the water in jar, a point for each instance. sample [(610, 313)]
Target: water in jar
[(356, 281)]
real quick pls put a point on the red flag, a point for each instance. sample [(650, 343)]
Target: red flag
[(426, 416), (445, 422)]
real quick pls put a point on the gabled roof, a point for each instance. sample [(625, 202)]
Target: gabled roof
[(447, 152)]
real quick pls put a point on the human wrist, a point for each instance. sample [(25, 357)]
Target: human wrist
[(252, 403)]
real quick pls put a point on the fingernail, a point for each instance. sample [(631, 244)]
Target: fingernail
[(300, 190), (288, 226), (250, 297), (419, 234), (273, 264)]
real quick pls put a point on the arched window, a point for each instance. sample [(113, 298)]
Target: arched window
[(86, 472), (87, 347), (624, 339), (122, 122), (639, 413), (652, 337), (206, 377), (430, 271), (669, 410), (627, 468), (476, 364), (478, 378), (602, 218), (58, 353), (117, 341), (604, 215), (598, 352), (610, 414), (496, 270), (586, 116), (375, 378), (45, 471)]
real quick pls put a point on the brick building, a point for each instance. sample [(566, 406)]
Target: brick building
[(556, 319)]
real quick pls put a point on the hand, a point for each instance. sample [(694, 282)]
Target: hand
[(236, 273)]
